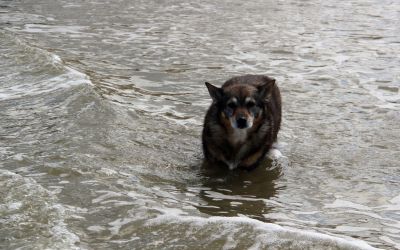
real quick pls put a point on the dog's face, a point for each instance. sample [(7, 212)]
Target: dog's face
[(241, 112), (241, 105)]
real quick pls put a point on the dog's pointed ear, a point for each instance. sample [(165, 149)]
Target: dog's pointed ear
[(265, 90), (215, 92)]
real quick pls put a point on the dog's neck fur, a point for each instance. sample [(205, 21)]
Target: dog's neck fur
[(240, 140), (238, 136)]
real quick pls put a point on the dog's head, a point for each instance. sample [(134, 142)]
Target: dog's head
[(241, 105)]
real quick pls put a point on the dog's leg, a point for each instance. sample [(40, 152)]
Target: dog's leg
[(231, 165), (253, 159)]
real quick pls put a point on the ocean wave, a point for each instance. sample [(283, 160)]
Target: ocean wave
[(27, 70), (224, 233), (30, 213)]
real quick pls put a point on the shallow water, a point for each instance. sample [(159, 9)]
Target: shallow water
[(102, 103)]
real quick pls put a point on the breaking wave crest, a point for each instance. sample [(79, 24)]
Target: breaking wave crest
[(30, 213), (227, 233), (31, 71)]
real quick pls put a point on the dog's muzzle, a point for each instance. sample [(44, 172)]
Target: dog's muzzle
[(241, 123)]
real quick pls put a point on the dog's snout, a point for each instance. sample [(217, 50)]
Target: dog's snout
[(241, 122)]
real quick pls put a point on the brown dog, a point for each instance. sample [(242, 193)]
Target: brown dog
[(242, 122)]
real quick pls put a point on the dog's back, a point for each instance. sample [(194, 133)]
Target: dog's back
[(243, 121)]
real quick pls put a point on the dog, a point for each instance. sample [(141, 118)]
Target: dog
[(243, 121)]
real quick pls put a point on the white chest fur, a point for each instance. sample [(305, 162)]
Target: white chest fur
[(238, 136)]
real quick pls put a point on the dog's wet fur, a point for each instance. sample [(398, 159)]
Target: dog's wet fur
[(242, 122)]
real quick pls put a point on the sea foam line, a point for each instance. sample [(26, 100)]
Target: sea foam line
[(295, 234)]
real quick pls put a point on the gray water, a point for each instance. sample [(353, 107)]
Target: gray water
[(101, 110)]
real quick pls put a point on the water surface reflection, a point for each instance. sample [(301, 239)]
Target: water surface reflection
[(239, 192)]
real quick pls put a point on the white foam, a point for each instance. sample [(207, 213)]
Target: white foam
[(265, 234), (351, 229), (220, 196), (15, 205), (27, 203), (338, 203), (390, 100), (96, 228), (41, 28), (105, 195), (395, 200), (65, 80), (116, 225), (53, 73), (390, 241), (274, 154)]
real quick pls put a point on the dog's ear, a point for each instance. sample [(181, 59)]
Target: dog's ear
[(215, 92), (265, 90)]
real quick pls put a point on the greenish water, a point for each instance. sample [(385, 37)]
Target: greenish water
[(101, 111)]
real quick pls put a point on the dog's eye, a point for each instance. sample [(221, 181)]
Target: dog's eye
[(251, 104), (231, 105)]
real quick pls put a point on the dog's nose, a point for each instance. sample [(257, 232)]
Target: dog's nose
[(241, 123)]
